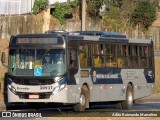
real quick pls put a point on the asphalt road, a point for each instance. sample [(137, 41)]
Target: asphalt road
[(149, 104), (94, 111)]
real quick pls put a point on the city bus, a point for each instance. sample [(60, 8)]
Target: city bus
[(79, 68)]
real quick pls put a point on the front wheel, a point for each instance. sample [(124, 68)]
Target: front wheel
[(128, 103), (82, 103)]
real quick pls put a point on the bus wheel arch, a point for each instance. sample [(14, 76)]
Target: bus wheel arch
[(86, 88), (128, 102), (84, 99)]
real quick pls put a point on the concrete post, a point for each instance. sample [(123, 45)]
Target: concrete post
[(83, 23)]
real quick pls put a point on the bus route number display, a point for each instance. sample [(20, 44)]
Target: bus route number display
[(39, 41)]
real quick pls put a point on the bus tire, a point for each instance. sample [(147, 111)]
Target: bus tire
[(82, 104), (128, 103), (118, 105)]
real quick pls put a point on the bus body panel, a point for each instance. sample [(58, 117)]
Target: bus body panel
[(116, 92), (103, 83)]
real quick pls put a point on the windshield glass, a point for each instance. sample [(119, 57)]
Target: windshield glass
[(37, 62)]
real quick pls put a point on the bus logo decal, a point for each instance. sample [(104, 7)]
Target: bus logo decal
[(37, 71), (122, 92), (25, 88), (150, 74), (104, 76)]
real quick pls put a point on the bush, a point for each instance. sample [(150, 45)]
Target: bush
[(39, 5), (62, 10)]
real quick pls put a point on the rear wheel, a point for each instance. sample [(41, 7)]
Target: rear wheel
[(82, 102), (119, 105), (128, 103)]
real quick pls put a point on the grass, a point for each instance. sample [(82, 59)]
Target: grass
[(157, 75)]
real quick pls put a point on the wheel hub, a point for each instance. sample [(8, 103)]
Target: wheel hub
[(82, 100), (130, 98)]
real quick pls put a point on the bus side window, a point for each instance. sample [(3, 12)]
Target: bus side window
[(72, 62), (122, 56), (120, 62), (83, 60), (110, 54), (143, 56), (97, 62), (98, 55), (120, 52), (73, 58), (84, 54)]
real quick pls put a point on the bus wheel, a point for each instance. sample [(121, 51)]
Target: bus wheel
[(118, 105), (82, 103), (128, 103)]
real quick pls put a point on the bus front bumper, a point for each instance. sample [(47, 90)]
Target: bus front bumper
[(69, 94)]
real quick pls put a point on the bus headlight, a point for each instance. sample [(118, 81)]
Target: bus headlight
[(57, 79), (12, 89), (58, 88)]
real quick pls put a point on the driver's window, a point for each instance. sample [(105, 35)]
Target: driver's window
[(25, 58)]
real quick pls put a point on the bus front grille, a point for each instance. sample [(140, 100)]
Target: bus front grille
[(45, 95), (33, 82)]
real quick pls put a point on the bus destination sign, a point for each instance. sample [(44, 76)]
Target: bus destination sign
[(39, 41)]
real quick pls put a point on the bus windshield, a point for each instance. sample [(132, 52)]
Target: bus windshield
[(37, 62)]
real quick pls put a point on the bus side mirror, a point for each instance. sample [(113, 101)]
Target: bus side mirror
[(3, 58)]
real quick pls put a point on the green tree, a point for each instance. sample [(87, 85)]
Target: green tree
[(93, 7), (39, 5), (144, 14), (62, 10)]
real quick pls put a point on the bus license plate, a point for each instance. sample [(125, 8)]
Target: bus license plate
[(33, 96)]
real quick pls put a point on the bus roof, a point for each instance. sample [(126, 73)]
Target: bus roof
[(91, 35), (88, 35), (96, 38), (99, 33), (138, 40)]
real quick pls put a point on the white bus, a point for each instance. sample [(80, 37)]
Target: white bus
[(79, 68)]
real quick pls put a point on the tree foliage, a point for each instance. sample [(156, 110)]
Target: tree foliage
[(144, 14), (130, 13), (93, 7), (122, 13), (39, 5), (62, 10)]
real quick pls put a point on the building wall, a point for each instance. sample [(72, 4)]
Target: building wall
[(12, 25), (18, 24)]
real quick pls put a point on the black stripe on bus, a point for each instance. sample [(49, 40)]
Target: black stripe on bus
[(106, 76), (149, 75)]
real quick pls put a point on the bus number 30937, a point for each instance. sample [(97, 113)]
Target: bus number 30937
[(46, 87)]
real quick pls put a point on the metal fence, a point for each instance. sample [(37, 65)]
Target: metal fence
[(14, 7)]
